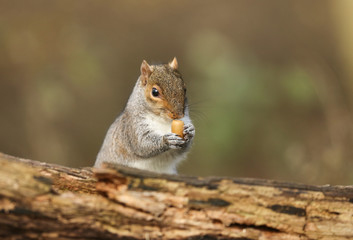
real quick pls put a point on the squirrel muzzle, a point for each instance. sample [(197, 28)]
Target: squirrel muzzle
[(175, 115)]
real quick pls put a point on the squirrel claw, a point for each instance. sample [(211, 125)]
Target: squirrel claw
[(189, 131), (174, 141)]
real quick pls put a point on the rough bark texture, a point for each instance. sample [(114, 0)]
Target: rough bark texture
[(46, 201)]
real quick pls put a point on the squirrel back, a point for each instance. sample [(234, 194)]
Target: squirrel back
[(141, 135)]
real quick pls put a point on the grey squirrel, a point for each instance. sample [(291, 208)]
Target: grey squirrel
[(141, 135)]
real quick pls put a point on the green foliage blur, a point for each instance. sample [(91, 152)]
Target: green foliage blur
[(270, 83)]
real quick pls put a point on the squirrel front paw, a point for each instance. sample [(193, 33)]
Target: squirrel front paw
[(173, 141), (189, 132)]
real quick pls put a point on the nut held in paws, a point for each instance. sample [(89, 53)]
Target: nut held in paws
[(178, 128)]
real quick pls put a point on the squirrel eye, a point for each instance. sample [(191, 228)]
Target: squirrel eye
[(155, 92)]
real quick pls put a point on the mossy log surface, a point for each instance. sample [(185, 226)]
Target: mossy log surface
[(47, 201)]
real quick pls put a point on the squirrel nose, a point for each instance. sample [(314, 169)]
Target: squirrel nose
[(175, 116)]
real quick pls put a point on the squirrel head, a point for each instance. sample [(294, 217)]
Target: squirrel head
[(164, 89)]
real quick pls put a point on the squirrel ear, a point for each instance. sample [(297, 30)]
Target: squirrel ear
[(174, 64), (146, 71)]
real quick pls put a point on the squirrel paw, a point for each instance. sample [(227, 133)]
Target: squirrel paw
[(189, 131), (174, 141)]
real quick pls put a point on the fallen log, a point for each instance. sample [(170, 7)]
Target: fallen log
[(47, 201)]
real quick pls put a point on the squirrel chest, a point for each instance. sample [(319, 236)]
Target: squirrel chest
[(157, 124)]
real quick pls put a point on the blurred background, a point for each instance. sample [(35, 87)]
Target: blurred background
[(270, 83)]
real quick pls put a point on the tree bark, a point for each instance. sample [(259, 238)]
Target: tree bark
[(47, 201)]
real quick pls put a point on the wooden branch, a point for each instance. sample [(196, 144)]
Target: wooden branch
[(46, 201)]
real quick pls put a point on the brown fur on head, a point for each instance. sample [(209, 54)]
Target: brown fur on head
[(167, 81)]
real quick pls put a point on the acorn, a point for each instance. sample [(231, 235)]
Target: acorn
[(178, 128)]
